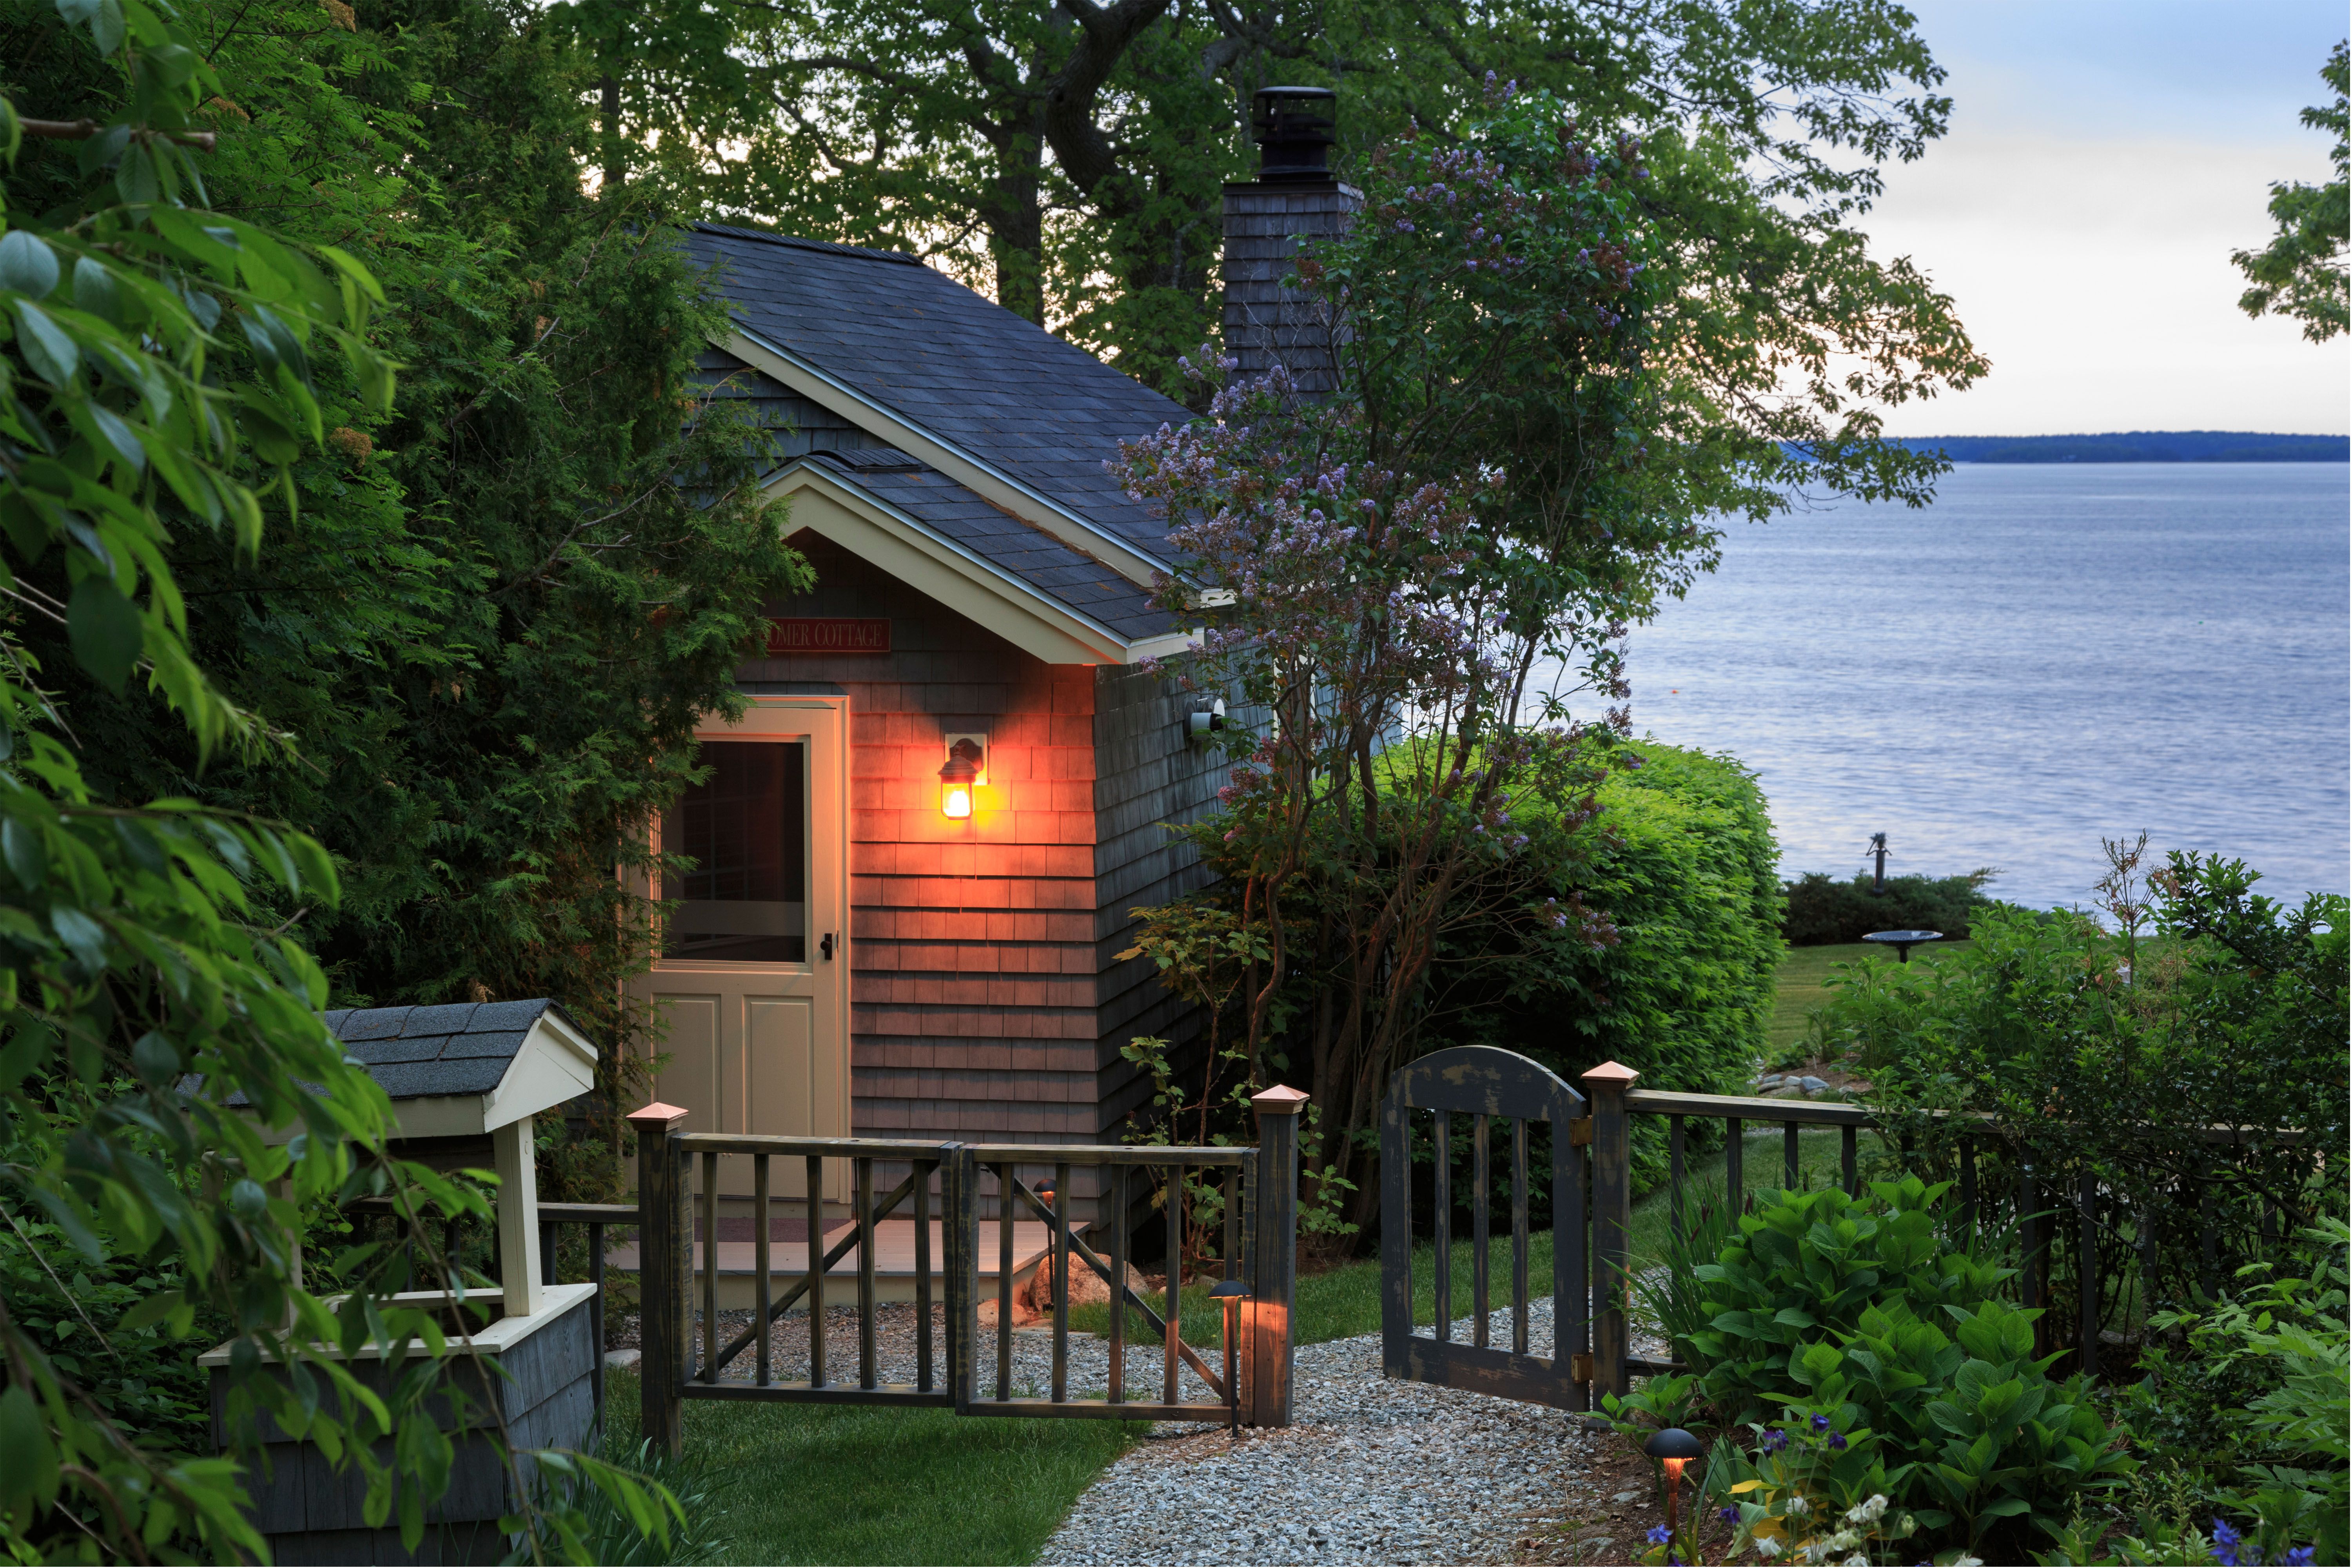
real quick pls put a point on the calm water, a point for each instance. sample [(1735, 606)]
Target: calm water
[(2046, 655)]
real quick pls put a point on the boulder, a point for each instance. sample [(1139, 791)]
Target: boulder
[(1812, 1085), (1087, 1287)]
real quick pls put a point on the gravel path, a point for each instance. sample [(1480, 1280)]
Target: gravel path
[(1374, 1471)]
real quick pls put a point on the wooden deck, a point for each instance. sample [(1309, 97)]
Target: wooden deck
[(894, 1259)]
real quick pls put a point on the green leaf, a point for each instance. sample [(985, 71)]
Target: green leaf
[(27, 265), (20, 845), (155, 1309), (48, 349), (105, 631), (29, 1460)]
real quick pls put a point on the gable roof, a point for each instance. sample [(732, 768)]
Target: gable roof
[(1028, 553), (880, 330), (484, 1063)]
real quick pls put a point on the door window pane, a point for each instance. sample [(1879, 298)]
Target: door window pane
[(746, 831)]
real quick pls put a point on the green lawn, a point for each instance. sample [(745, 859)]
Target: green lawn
[(1802, 979), (810, 1483)]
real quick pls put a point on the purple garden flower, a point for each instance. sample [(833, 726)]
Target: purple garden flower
[(1659, 1536), (1821, 1422), (2300, 1557), (1775, 1440), (2225, 1544), (1837, 1440), (1728, 1515)]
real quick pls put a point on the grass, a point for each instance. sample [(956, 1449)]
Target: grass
[(812, 1483), (1802, 979)]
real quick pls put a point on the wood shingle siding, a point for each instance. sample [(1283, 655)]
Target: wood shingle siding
[(986, 1001)]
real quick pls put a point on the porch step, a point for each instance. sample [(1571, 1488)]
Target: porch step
[(894, 1259)]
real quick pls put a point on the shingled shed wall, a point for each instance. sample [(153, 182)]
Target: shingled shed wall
[(985, 999)]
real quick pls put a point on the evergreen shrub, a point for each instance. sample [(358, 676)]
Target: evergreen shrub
[(1822, 911)]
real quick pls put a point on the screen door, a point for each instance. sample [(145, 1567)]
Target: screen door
[(753, 976)]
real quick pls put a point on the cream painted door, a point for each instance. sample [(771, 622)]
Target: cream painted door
[(753, 981)]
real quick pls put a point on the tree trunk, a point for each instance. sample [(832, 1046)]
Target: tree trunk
[(615, 163)]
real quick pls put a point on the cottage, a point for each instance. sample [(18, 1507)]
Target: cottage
[(918, 852)]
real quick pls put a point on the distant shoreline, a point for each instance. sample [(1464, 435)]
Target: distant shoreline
[(2138, 447)]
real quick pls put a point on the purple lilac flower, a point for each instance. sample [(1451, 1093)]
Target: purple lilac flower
[(1659, 1536)]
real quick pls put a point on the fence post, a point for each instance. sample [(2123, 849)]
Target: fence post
[(1612, 1219), (665, 1272), (1272, 1347)]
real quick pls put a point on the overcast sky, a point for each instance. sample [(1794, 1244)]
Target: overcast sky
[(2106, 156)]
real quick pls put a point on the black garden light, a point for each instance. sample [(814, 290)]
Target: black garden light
[(1673, 1447), (1228, 1295)]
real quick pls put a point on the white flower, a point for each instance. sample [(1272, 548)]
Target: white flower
[(1798, 1505), (1856, 1561), (1968, 1563), (1868, 1512), (1768, 1547)]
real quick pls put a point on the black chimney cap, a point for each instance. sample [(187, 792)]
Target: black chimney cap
[(1292, 127)]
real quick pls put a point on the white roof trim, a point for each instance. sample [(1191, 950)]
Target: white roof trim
[(836, 507), (982, 478)]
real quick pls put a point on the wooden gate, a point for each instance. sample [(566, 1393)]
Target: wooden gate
[(1488, 1086), (692, 1351)]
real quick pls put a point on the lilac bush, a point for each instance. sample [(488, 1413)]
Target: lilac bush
[(1405, 586)]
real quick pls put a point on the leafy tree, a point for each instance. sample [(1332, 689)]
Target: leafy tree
[(1074, 158), (161, 357), (505, 600), (2301, 272), (1384, 574)]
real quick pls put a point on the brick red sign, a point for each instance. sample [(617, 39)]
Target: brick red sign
[(790, 636)]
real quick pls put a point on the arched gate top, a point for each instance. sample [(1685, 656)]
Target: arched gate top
[(1486, 1080)]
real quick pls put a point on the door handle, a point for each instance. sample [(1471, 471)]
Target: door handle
[(825, 947)]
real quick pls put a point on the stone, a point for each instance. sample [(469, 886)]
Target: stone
[(1023, 1313), (1770, 1081), (622, 1361), (1812, 1085), (1087, 1287)]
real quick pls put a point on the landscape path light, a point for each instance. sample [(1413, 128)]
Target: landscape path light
[(1228, 1295), (1673, 1447)]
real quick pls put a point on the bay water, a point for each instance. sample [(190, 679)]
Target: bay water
[(2047, 654)]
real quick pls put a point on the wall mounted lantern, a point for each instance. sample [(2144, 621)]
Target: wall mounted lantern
[(957, 778)]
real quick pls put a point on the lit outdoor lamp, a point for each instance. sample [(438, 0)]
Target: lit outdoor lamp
[(957, 776), (1673, 1447), (1228, 1295)]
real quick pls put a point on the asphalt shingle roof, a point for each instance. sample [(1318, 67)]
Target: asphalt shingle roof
[(1004, 541), (960, 367), (463, 1047)]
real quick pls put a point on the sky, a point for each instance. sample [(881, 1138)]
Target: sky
[(2106, 156)]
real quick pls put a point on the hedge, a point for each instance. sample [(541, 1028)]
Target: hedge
[(1682, 860)]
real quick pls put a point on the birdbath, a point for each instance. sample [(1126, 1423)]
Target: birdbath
[(1904, 941)]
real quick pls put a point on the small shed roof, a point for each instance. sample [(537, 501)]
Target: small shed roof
[(467, 1066)]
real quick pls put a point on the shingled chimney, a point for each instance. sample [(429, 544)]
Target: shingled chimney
[(1293, 201)]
